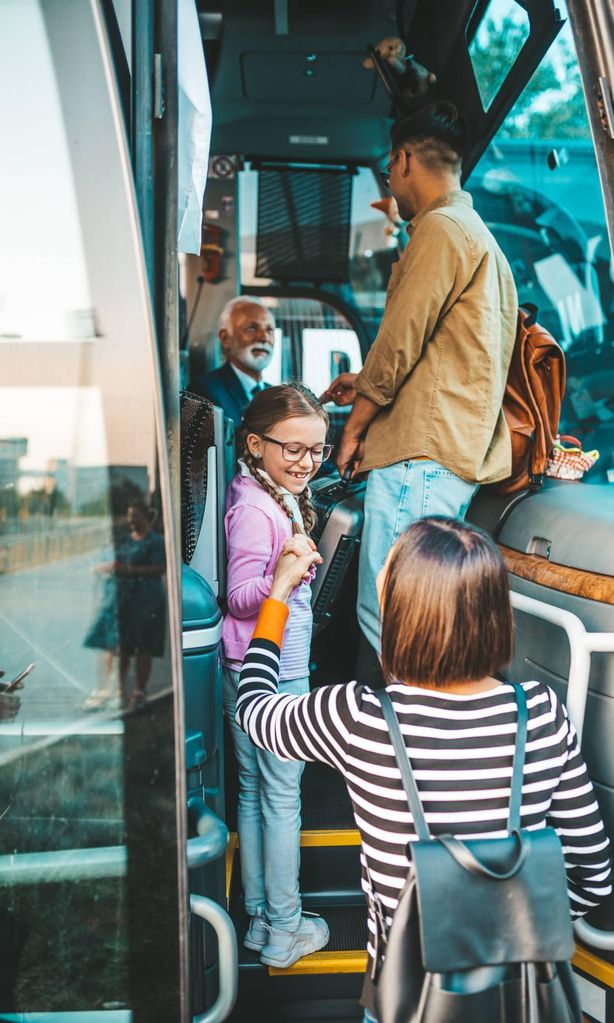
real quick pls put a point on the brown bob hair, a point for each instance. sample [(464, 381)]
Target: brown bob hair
[(446, 613)]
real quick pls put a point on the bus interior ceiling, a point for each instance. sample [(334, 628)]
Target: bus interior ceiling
[(288, 79)]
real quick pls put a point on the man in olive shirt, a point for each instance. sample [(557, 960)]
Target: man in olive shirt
[(427, 421)]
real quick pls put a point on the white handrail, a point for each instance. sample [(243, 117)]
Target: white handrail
[(581, 645), (228, 958)]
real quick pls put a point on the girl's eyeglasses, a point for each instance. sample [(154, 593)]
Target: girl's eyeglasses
[(296, 452)]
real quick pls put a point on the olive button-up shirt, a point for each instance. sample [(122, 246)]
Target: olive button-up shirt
[(439, 363)]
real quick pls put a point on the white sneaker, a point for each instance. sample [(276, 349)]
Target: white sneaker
[(257, 932), (286, 947)]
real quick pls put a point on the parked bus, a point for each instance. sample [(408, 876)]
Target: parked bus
[(120, 889)]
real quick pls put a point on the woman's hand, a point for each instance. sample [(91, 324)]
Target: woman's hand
[(290, 571), (300, 545)]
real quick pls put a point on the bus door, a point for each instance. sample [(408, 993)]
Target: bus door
[(93, 878)]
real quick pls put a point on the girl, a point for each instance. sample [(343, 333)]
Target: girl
[(446, 632), (282, 438)]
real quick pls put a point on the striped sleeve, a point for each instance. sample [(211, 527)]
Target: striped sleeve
[(574, 813), (316, 726)]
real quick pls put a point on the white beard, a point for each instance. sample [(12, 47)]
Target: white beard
[(254, 362)]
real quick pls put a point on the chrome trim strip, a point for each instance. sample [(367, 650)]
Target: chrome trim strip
[(193, 639)]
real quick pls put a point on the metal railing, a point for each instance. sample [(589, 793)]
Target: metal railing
[(581, 645)]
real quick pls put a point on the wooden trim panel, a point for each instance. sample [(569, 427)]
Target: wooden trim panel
[(574, 581)]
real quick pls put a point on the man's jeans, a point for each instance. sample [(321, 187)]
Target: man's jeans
[(269, 818), (396, 496)]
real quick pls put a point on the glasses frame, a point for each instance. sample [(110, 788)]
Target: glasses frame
[(384, 174), (327, 450)]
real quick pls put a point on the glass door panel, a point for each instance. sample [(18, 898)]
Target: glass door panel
[(92, 885)]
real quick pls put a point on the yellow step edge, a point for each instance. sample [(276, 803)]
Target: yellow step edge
[(233, 843), (595, 967), (324, 962), (323, 838), (356, 962)]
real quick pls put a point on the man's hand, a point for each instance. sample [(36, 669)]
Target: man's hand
[(342, 390), (349, 454)]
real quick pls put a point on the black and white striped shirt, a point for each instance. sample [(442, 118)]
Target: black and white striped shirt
[(461, 749)]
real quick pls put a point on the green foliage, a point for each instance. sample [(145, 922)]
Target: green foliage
[(552, 104)]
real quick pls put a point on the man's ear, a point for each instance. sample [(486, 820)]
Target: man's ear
[(224, 337)]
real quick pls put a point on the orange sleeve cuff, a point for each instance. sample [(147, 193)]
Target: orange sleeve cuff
[(271, 621)]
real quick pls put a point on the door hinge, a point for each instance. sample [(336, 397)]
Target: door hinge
[(605, 105)]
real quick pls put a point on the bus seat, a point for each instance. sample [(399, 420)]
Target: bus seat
[(207, 462)]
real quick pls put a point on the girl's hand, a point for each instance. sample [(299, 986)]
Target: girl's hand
[(290, 570), (298, 544)]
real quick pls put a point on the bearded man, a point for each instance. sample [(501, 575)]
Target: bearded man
[(246, 330)]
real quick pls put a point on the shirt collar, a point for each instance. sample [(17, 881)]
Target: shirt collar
[(248, 383), (455, 198), (288, 496)]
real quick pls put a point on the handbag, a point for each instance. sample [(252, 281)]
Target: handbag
[(568, 461), (482, 930)]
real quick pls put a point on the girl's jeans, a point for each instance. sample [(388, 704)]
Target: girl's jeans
[(269, 818)]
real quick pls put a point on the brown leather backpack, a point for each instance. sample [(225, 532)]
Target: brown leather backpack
[(532, 402)]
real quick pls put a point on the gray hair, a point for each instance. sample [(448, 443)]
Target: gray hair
[(225, 320)]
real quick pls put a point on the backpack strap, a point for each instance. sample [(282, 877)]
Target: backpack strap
[(519, 755), (407, 775), (402, 759)]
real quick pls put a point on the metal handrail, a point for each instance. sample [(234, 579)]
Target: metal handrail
[(63, 865), (228, 957), (212, 834), (581, 645)]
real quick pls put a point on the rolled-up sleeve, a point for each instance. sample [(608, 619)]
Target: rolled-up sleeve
[(434, 269)]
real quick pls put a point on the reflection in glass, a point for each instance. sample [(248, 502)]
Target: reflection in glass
[(129, 624), (537, 187), (82, 555)]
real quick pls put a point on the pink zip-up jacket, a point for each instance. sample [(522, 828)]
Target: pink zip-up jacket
[(256, 530)]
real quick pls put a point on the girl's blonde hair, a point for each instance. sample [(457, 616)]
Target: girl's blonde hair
[(266, 409)]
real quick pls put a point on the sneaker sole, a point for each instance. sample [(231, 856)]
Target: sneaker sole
[(254, 946), (292, 959)]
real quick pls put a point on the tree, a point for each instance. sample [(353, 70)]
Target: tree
[(552, 104)]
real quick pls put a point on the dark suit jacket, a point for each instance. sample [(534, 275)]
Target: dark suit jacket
[(223, 387)]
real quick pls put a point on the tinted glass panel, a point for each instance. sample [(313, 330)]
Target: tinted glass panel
[(537, 186), (88, 831)]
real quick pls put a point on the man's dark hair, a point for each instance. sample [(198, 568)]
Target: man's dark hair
[(437, 134)]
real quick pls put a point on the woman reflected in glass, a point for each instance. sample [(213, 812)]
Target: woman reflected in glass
[(130, 623)]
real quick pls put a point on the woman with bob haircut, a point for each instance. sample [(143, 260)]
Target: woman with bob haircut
[(447, 631)]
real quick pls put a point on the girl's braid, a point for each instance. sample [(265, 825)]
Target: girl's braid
[(272, 491), (307, 510)]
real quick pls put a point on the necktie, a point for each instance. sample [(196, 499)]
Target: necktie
[(256, 389)]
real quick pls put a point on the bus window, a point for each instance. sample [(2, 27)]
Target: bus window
[(537, 187)]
